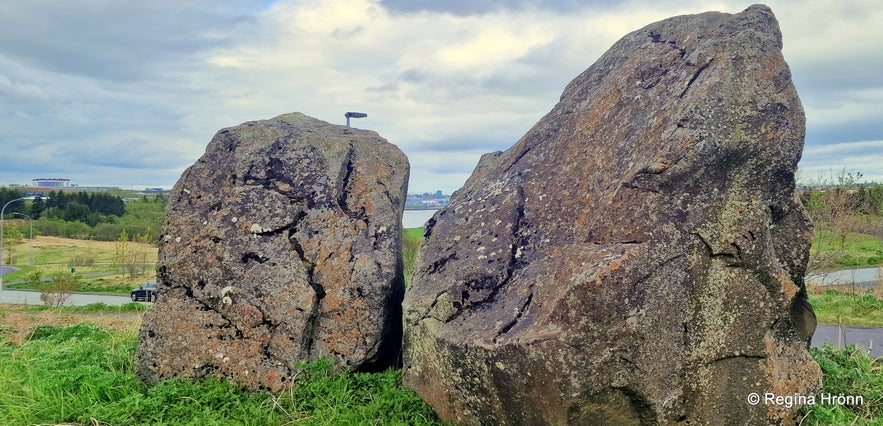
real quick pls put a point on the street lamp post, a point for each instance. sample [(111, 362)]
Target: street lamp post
[(30, 236), (3, 210)]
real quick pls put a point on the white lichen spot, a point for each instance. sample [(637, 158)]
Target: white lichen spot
[(257, 229), (178, 239), (234, 219), (500, 365), (186, 191), (225, 299)]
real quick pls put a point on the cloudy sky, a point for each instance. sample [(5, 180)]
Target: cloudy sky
[(128, 93)]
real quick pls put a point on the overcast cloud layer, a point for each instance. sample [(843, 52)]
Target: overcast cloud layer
[(129, 93)]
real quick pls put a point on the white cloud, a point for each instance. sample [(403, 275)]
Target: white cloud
[(444, 86), (844, 147)]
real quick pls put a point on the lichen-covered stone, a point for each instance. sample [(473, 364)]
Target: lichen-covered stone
[(638, 256), (281, 244)]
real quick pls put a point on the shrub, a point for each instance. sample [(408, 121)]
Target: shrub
[(56, 292)]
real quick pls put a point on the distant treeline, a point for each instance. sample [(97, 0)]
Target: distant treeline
[(90, 208), (88, 215), (864, 199)]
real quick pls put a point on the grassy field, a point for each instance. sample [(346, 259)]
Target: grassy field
[(95, 261), (846, 251), (76, 366), (847, 306)]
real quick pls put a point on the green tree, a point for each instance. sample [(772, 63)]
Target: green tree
[(7, 195), (76, 211), (38, 206)]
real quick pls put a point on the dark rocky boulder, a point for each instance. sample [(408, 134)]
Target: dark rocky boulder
[(281, 244), (638, 256)]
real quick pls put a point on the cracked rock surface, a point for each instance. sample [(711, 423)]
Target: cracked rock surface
[(638, 256), (281, 244)]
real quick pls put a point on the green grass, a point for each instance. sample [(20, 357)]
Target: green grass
[(851, 372), (412, 239), (84, 374), (99, 307), (850, 250), (835, 307)]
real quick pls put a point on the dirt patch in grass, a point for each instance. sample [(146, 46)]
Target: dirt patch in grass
[(45, 242), (17, 322)]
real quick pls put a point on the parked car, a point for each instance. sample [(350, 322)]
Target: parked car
[(145, 292)]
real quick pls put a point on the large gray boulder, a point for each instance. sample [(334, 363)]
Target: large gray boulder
[(638, 256), (281, 244)]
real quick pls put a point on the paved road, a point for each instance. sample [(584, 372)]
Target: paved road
[(25, 297), (864, 277), (868, 337), (7, 270)]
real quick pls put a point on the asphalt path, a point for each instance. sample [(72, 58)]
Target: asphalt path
[(840, 336), (7, 270), (862, 277), (29, 297)]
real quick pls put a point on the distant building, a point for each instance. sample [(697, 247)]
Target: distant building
[(51, 182), (427, 200)]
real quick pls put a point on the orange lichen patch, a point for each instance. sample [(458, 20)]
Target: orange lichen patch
[(786, 377), (331, 302), (789, 288), (596, 116)]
